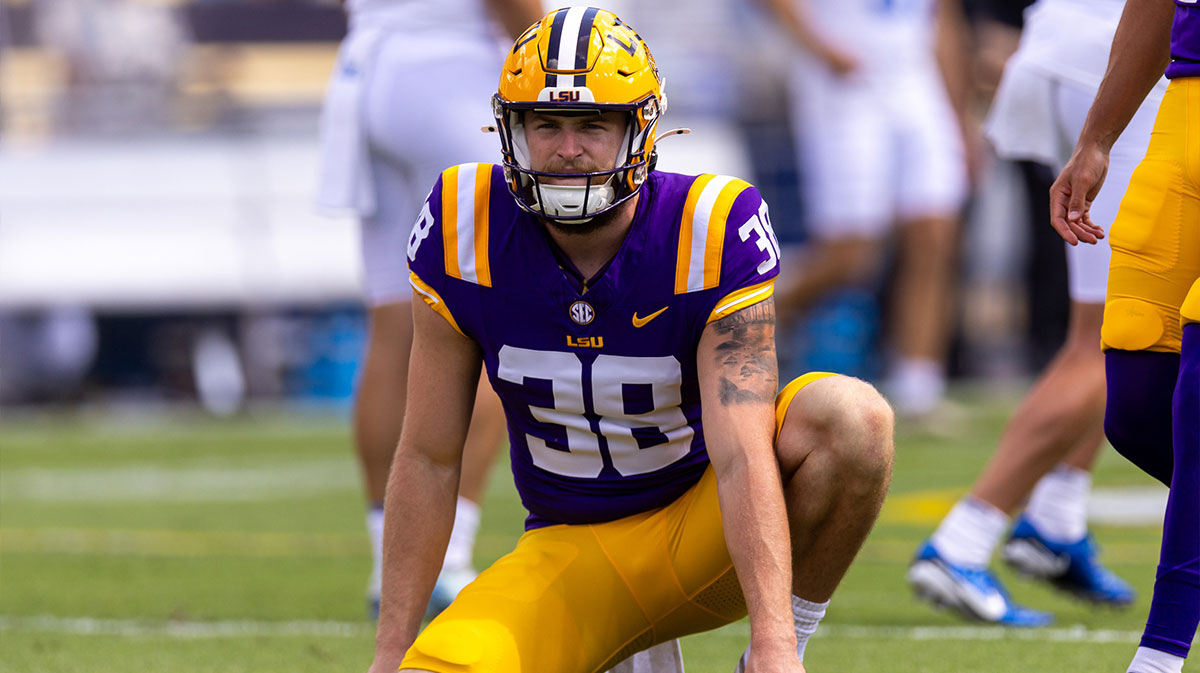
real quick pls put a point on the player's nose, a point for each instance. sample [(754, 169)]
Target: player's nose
[(570, 144)]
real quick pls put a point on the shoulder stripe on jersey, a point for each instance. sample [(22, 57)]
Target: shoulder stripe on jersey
[(743, 298), (433, 299), (702, 231), (466, 192)]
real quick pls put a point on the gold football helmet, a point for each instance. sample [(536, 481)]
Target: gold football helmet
[(579, 59)]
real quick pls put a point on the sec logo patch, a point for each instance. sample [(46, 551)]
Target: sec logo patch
[(582, 313)]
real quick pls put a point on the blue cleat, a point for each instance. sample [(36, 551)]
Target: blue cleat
[(449, 582), (1073, 568), (974, 593)]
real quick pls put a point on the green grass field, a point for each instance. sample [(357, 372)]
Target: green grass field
[(187, 544)]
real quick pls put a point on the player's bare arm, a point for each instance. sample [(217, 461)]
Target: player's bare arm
[(1140, 53), (515, 15), (796, 20), (738, 381), (423, 484), (745, 355)]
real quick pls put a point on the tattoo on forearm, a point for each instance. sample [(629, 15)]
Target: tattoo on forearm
[(746, 355)]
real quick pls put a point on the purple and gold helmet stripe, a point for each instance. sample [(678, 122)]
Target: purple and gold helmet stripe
[(567, 49), (582, 43), (553, 47)]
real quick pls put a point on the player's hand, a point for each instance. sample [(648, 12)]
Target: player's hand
[(782, 662), (385, 664), (387, 659), (1072, 194)]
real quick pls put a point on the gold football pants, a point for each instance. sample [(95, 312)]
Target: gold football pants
[(582, 598), (1154, 275)]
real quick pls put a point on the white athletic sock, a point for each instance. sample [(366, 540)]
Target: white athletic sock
[(807, 616), (375, 533), (662, 658), (969, 533), (1058, 506), (1149, 660), (462, 536), (916, 386)]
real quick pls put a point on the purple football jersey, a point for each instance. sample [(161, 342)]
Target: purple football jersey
[(1185, 40), (599, 383)]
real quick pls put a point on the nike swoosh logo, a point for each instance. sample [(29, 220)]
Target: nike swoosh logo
[(639, 322)]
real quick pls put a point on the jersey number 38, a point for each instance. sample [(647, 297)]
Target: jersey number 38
[(613, 379)]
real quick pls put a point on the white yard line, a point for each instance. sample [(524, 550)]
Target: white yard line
[(175, 543), (90, 626), (330, 629)]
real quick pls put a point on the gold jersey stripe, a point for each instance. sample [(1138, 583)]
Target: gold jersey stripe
[(684, 256), (715, 244), (483, 191), (743, 298), (466, 191), (433, 299), (450, 220), (702, 231)]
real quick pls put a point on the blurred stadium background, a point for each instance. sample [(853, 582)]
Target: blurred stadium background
[(180, 332)]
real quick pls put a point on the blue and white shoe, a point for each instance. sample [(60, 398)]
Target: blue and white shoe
[(974, 593), (449, 582), (1073, 568)]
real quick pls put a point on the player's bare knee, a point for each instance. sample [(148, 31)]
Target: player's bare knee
[(867, 423), (847, 421)]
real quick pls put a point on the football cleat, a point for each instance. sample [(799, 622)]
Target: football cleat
[(974, 593), (1073, 568), (449, 582)]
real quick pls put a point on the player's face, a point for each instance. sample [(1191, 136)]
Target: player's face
[(574, 144)]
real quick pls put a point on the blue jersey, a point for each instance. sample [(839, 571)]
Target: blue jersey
[(598, 380)]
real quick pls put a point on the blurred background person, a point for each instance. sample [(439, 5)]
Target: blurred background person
[(1151, 332), (881, 145), (1052, 441), (124, 60), (407, 99)]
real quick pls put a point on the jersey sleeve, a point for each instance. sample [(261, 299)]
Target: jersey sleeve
[(750, 257), (426, 255), (448, 249), (727, 254)]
